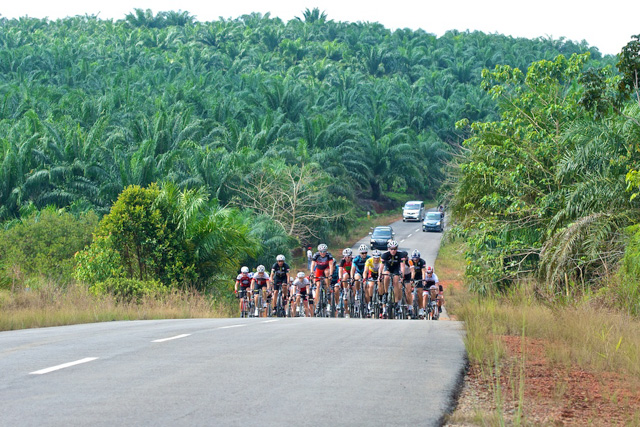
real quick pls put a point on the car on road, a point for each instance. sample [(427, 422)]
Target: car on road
[(380, 236), (413, 210), (433, 221)]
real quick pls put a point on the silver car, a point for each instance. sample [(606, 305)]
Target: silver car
[(413, 210)]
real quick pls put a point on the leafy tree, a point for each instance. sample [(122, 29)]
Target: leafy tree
[(167, 235)]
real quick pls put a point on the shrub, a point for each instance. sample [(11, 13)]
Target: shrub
[(129, 290), (628, 287), (44, 244)]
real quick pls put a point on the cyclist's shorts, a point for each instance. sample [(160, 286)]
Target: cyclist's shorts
[(278, 286), (261, 286), (393, 270), (242, 292), (302, 292), (278, 280), (419, 284), (319, 273)]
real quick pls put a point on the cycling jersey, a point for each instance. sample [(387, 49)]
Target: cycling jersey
[(360, 262), (301, 283), (322, 261), (392, 262), (261, 279), (407, 269), (418, 265), (280, 272), (432, 278), (346, 265), (372, 267), (245, 281)]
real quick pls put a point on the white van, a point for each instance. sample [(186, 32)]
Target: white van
[(413, 210)]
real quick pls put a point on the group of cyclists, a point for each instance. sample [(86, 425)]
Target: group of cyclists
[(381, 285)]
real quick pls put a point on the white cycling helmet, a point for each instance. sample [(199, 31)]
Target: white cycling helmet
[(429, 270), (347, 252), (376, 253), (392, 244), (322, 247), (280, 258), (260, 269), (244, 270), (300, 275), (415, 254), (363, 249)]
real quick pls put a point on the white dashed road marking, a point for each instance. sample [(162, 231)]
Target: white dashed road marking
[(232, 326), (269, 321), (64, 365), (171, 338)]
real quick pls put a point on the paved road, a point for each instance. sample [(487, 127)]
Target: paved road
[(410, 236), (232, 372)]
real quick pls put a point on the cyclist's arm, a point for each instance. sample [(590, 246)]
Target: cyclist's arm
[(313, 267)]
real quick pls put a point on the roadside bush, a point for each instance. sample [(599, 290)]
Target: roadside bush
[(627, 288), (177, 238), (44, 245), (129, 290)]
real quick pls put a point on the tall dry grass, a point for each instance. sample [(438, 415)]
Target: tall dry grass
[(52, 305), (582, 333)]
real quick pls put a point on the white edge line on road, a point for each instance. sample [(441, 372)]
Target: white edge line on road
[(417, 230), (409, 235), (171, 338), (269, 321), (232, 326), (64, 365)]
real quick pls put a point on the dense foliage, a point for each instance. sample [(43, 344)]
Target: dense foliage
[(43, 244), (543, 190), (166, 235), (89, 106), (291, 123)]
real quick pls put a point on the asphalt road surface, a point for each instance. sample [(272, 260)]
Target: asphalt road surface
[(237, 372)]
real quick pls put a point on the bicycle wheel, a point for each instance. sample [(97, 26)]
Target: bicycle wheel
[(391, 302)]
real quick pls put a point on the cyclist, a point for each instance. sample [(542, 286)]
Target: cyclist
[(243, 281), (322, 267), (418, 272), (393, 270), (371, 274), (301, 287), (345, 272), (280, 279), (260, 283), (359, 263), (431, 278)]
